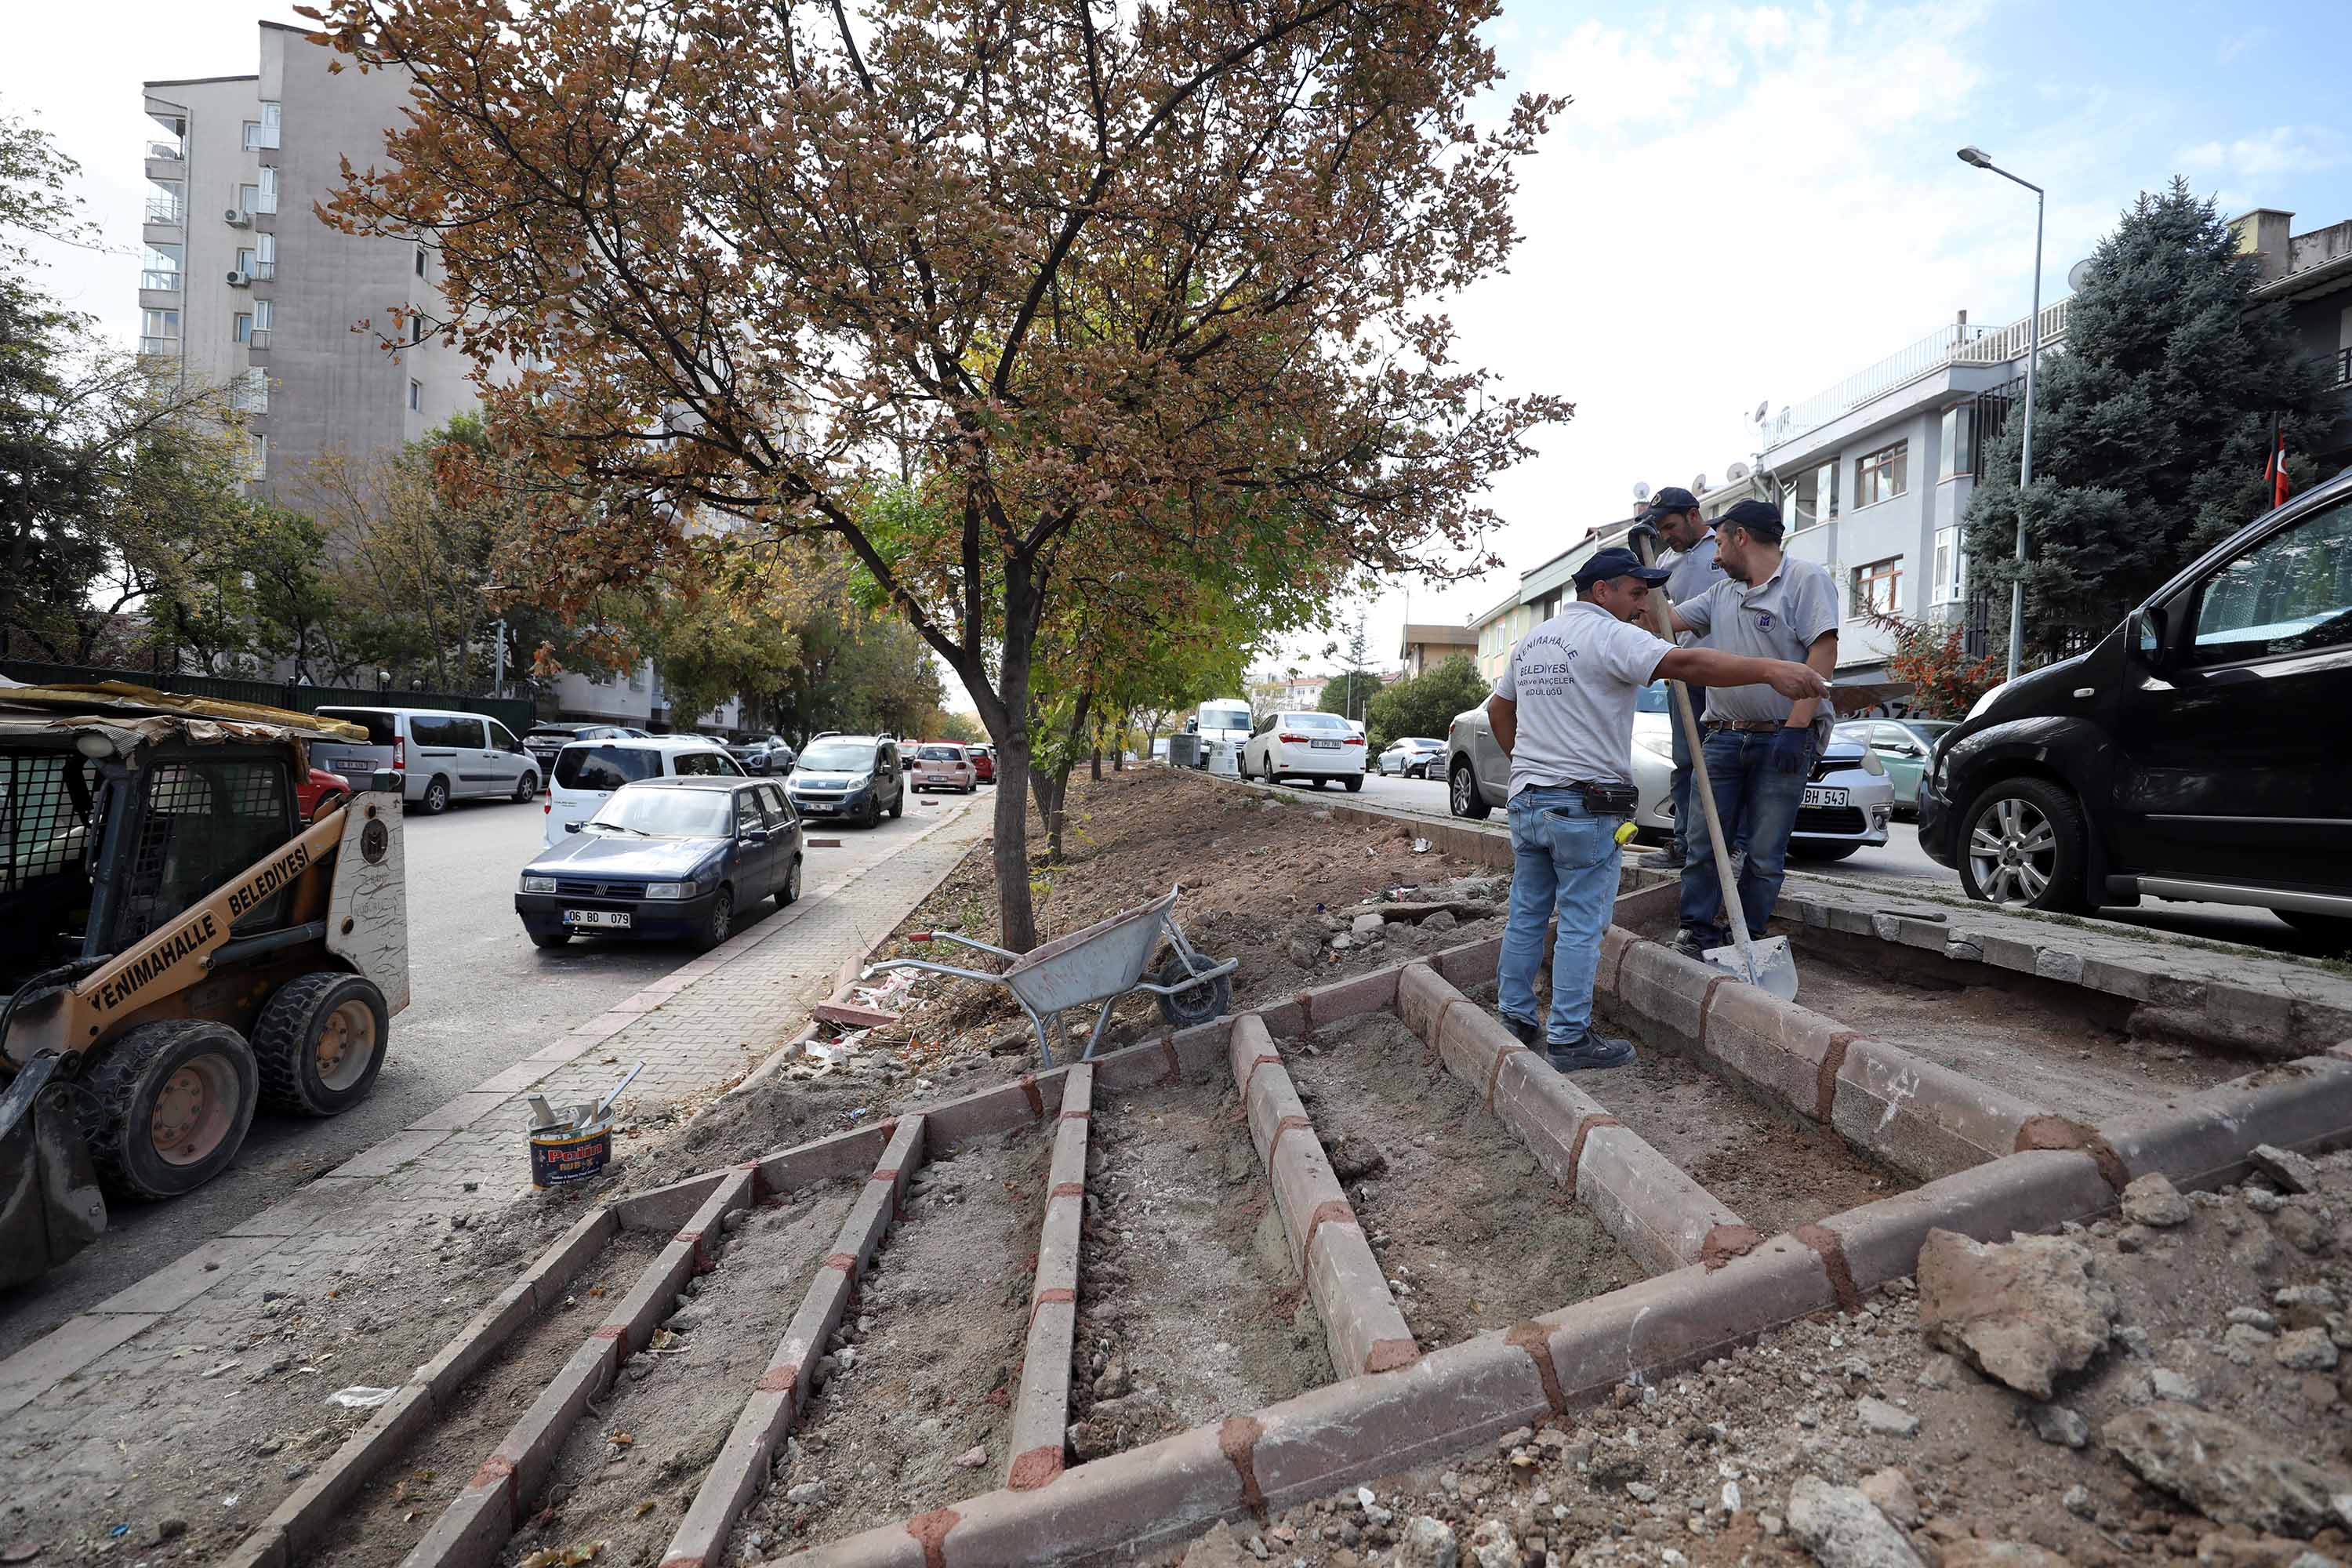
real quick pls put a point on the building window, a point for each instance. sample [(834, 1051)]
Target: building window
[(1955, 447), (162, 267), (1882, 475), (1951, 565), (165, 201), (257, 458), (264, 311), (251, 392), (159, 323), (265, 255), (416, 397), (265, 198), (262, 133), (1825, 490), (240, 327), (1878, 585), (420, 261), (416, 327)]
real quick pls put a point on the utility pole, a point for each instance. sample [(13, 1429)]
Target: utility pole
[(1976, 157)]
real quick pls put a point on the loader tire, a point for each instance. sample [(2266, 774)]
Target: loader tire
[(166, 1108), (318, 1044)]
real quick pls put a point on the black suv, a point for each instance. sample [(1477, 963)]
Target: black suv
[(2198, 752), (854, 776)]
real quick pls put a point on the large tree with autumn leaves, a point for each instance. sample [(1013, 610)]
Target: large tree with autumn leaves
[(1126, 285)]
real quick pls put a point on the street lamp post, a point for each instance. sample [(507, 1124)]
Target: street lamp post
[(1976, 158)]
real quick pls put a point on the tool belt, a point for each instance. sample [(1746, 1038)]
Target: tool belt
[(1741, 726), (1608, 799)]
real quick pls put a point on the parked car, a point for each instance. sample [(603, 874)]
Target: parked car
[(665, 859), (2194, 753), (441, 755), (762, 754), (983, 762), (1307, 746), (1847, 800), (320, 793), (941, 764), (1902, 747), (588, 772), (542, 741), (1411, 757), (854, 776)]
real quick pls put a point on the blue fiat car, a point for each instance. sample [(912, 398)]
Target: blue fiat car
[(666, 859)]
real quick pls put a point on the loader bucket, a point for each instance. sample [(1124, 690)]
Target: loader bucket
[(49, 1203)]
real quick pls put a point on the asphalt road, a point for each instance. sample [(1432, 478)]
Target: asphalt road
[(1903, 860), (483, 998)]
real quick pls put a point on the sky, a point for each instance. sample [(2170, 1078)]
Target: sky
[(1738, 203)]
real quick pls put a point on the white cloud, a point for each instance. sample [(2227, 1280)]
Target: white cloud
[(2283, 150)]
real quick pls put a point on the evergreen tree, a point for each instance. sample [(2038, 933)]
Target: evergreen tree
[(1350, 694), (2150, 429)]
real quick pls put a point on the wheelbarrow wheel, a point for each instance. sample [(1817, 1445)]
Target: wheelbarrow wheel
[(1201, 1004)]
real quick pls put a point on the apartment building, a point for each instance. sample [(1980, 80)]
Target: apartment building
[(2310, 276), (244, 286), (1425, 647)]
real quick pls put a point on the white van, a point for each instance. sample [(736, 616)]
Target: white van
[(588, 772), (442, 755)]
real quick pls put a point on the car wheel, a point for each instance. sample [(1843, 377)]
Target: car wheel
[(2335, 929), (166, 1106), (527, 788), (550, 939), (790, 893), (2024, 846), (1801, 850), (1356, 784), (319, 1043), (898, 805), (1462, 796), (437, 797), (719, 923)]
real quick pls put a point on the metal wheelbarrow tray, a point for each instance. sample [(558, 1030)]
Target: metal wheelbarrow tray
[(1099, 963)]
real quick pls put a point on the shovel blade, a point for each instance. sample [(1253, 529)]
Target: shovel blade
[(1776, 966)]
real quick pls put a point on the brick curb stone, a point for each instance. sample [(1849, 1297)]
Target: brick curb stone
[(1041, 1410)]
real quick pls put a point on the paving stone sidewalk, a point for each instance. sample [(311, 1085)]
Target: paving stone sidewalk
[(697, 1029)]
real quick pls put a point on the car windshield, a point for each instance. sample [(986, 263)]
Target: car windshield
[(667, 813), (1653, 698), (1224, 716), (837, 757), (605, 767)]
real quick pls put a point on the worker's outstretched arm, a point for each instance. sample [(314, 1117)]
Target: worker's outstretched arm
[(1713, 666)]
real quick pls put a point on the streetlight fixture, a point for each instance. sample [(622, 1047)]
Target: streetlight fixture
[(1976, 157)]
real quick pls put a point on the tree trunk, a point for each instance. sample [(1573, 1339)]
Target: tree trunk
[(1095, 758), (1015, 912)]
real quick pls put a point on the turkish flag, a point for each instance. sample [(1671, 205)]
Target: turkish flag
[(2275, 470)]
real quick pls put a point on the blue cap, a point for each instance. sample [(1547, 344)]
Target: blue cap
[(1673, 498), (1617, 562)]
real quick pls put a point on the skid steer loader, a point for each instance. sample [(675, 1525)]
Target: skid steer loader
[(176, 948)]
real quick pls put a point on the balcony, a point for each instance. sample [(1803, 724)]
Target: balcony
[(2344, 367), (159, 348), (258, 340), (160, 210), (152, 280), (167, 151), (1956, 344)]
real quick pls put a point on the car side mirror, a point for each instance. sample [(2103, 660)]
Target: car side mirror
[(2147, 631)]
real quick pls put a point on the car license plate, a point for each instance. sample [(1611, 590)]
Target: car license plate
[(1819, 795), (1325, 745), (815, 807), (612, 918)]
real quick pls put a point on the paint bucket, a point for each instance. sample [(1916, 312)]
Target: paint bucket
[(568, 1152)]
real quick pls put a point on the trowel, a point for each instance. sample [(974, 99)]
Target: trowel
[(1766, 962)]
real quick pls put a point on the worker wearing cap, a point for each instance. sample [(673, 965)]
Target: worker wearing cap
[(1759, 744), (1691, 570), (1562, 710)]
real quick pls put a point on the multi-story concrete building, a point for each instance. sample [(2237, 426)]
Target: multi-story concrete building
[(245, 287), (2311, 276), (1424, 645)]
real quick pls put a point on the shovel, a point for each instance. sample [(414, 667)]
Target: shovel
[(1767, 964)]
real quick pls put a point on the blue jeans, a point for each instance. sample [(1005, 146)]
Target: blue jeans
[(1679, 791), (1564, 862), (1759, 807)]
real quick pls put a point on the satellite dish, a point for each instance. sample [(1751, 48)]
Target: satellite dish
[(2077, 273), (1760, 408), (1641, 490), (1736, 472), (1698, 484)]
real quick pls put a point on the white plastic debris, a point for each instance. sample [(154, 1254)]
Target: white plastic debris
[(1420, 846), (359, 1396)]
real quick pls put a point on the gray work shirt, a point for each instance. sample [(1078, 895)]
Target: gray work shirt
[(1781, 617), (1575, 679), (1693, 572)]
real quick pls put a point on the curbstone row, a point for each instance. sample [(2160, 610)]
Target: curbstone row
[(742, 1467), (1654, 1210), (1361, 1321), (1041, 1410), (475, 1524)]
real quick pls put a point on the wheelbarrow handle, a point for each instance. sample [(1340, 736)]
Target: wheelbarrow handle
[(871, 969), (960, 942)]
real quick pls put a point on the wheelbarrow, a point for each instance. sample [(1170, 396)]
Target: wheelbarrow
[(1100, 963)]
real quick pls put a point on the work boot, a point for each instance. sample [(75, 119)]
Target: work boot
[(1693, 944), (1526, 1031), (1666, 859), (1591, 1054)]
